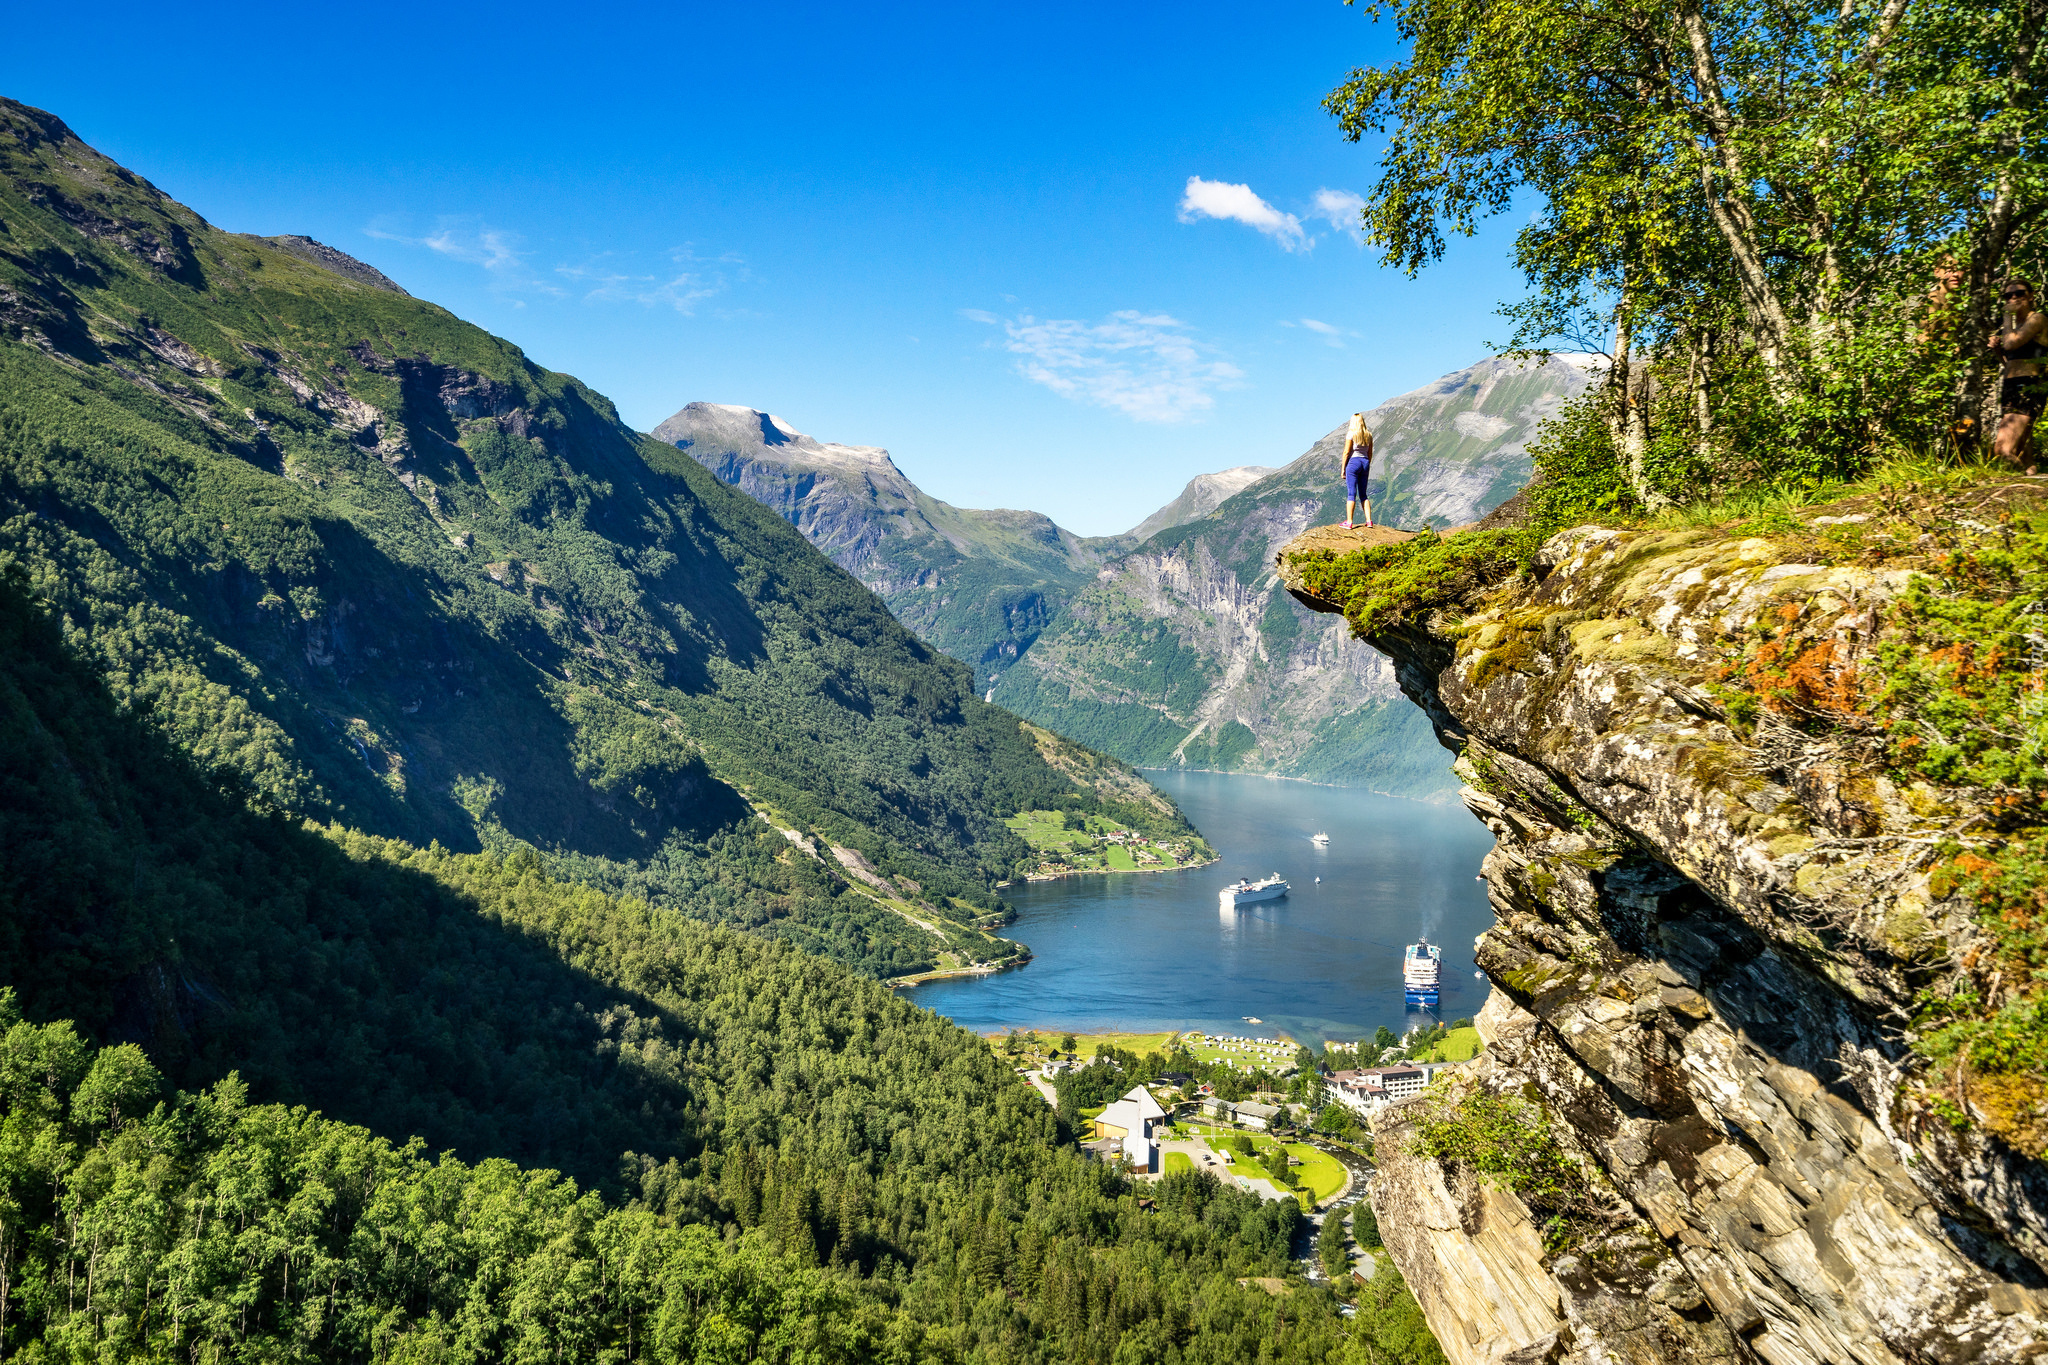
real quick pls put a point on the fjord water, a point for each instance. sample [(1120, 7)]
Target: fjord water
[(1155, 950)]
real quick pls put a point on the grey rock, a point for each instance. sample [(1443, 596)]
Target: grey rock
[(340, 262), (1706, 984)]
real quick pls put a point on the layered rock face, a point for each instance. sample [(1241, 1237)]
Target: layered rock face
[(1704, 970)]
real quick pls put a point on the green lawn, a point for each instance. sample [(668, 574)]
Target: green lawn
[(1459, 1046), (1279, 1055), (1319, 1175), (1178, 1161), (1049, 837)]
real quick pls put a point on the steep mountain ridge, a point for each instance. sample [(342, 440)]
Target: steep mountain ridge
[(978, 584), (388, 572), (1201, 497), (1185, 651)]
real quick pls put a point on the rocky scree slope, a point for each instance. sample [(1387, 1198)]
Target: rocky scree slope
[(1186, 652), (1763, 1074), (387, 572)]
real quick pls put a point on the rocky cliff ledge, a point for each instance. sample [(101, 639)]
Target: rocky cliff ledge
[(1716, 931)]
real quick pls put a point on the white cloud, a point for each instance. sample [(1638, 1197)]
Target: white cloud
[(1340, 209), (682, 291), (1145, 365), (1331, 335), (979, 315), (473, 243), (1220, 199)]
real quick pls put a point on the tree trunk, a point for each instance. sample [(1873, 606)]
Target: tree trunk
[(1628, 419), (1723, 177)]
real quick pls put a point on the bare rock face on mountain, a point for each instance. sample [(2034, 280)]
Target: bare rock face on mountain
[(1713, 934), (340, 262), (1203, 495), (1185, 652), (979, 585)]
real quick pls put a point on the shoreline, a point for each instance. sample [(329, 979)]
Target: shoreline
[(1112, 1035), (1112, 871), (950, 973), (1443, 800)]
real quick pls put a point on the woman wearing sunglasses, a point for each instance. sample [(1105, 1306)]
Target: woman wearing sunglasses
[(2022, 395)]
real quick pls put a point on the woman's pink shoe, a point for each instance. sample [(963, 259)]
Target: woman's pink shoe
[(1349, 527)]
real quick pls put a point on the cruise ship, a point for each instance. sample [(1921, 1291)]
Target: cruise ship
[(1319, 840), (1245, 892), (1420, 968)]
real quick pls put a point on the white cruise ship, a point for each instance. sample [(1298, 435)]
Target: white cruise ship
[(1319, 840), (1245, 892), (1421, 967)]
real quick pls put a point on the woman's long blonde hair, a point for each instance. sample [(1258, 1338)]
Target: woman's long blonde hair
[(1357, 435)]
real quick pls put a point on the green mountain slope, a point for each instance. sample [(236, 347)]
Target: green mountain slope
[(1187, 652), (768, 1157), (390, 573)]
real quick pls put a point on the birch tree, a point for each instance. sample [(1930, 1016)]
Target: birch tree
[(1727, 186)]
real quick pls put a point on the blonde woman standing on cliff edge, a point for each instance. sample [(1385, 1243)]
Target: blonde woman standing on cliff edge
[(1356, 468)]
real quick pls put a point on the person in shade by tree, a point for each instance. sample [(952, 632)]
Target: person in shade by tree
[(1355, 468), (2019, 343)]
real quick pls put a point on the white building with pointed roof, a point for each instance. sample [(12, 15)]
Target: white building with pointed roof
[(1133, 1120)]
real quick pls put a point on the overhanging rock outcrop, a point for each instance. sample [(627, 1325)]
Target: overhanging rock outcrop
[(1704, 970)]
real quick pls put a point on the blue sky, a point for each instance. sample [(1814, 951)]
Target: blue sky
[(965, 233)]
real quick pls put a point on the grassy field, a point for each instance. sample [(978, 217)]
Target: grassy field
[(1177, 1161), (1090, 849), (1271, 1056), (1088, 1044), (1320, 1175), (1458, 1047)]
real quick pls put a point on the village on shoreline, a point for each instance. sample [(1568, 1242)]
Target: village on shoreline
[(1069, 843)]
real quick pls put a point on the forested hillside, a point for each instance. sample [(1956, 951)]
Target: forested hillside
[(661, 1139), (391, 574)]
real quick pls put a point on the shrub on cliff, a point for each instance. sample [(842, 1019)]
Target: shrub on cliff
[(1510, 1142)]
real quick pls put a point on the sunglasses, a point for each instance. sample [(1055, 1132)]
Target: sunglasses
[(2017, 294)]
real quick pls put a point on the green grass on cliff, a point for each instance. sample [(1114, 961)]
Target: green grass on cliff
[(1385, 587)]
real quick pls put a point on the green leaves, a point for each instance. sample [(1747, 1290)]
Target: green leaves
[(121, 1087), (1758, 199)]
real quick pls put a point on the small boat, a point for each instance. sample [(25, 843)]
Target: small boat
[(1319, 881), (1421, 968), (1319, 840), (1245, 892)]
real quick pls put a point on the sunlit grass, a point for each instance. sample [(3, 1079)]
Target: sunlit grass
[(1767, 502)]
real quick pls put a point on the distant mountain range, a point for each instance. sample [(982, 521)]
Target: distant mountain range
[(978, 585), (1169, 644), (1186, 651)]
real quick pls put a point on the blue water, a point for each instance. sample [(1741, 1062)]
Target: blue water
[(1145, 951)]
